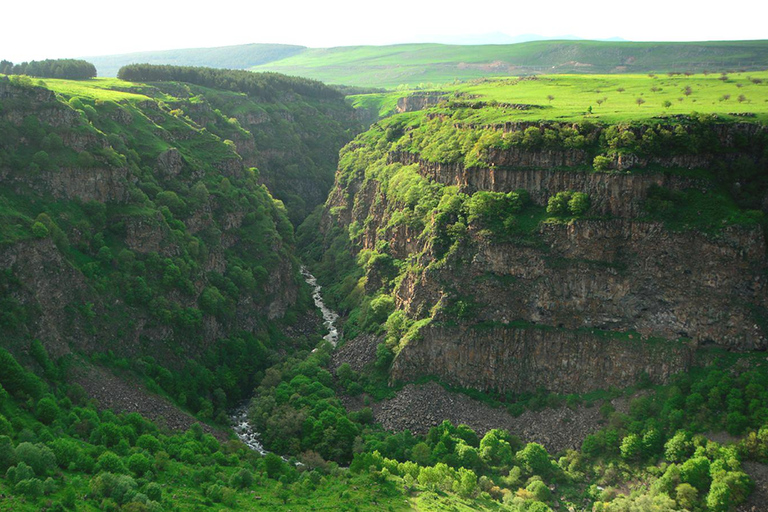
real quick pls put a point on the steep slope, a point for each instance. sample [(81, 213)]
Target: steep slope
[(290, 129), (568, 257), (132, 230)]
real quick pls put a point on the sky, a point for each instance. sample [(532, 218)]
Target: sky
[(48, 29)]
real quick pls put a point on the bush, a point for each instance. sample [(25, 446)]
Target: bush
[(47, 410), (154, 491), (558, 204), (579, 203), (39, 230), (601, 163), (39, 457), (138, 464), (148, 442), (110, 462)]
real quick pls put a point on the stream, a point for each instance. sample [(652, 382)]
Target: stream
[(239, 416)]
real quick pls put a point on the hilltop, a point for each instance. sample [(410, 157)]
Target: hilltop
[(228, 57), (393, 65)]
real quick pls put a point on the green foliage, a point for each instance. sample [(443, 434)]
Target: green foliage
[(73, 69), (110, 462), (568, 202), (534, 459)]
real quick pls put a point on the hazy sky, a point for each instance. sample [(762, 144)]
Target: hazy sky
[(46, 29)]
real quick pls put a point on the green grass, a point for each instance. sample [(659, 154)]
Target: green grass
[(390, 66), (104, 89), (612, 98)]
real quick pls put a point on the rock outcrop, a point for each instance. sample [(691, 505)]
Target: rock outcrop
[(570, 306)]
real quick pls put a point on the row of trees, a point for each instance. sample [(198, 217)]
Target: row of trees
[(265, 86), (74, 69)]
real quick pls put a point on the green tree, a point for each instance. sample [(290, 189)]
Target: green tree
[(534, 459), (558, 203), (579, 203)]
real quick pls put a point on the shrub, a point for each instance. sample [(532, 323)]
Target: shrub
[(579, 203), (138, 464), (148, 442), (39, 457), (558, 204), (110, 462), (47, 410), (39, 230), (601, 163)]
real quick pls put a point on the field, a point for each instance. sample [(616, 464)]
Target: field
[(608, 98), (413, 64), (103, 89)]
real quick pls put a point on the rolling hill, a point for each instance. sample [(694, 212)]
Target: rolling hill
[(389, 66), (230, 57), (414, 64)]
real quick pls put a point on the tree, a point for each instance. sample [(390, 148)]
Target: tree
[(39, 230), (631, 447), (47, 410), (601, 163), (494, 449), (695, 471), (465, 484), (679, 447), (579, 203), (558, 204), (138, 464), (639, 101), (686, 496), (550, 98), (534, 459)]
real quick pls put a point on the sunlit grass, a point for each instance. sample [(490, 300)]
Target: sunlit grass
[(609, 98)]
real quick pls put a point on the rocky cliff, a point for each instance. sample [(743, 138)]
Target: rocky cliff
[(505, 297), (129, 228)]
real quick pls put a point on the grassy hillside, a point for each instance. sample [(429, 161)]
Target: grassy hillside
[(609, 98), (390, 66), (231, 57)]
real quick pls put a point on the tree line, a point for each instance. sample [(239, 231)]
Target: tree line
[(264, 86), (74, 69)]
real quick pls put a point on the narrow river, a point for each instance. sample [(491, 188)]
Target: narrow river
[(239, 416)]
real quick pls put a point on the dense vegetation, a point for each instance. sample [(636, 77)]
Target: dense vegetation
[(59, 452), (72, 69), (142, 251), (169, 273), (290, 128), (263, 86)]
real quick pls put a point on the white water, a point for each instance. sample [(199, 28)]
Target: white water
[(239, 417), (329, 317)]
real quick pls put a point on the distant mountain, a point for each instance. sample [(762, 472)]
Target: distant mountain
[(231, 57)]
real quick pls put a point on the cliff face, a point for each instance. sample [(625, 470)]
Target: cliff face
[(129, 228), (569, 305), (517, 359), (295, 143), (617, 194)]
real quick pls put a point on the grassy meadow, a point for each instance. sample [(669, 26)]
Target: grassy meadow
[(607, 98), (412, 64)]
